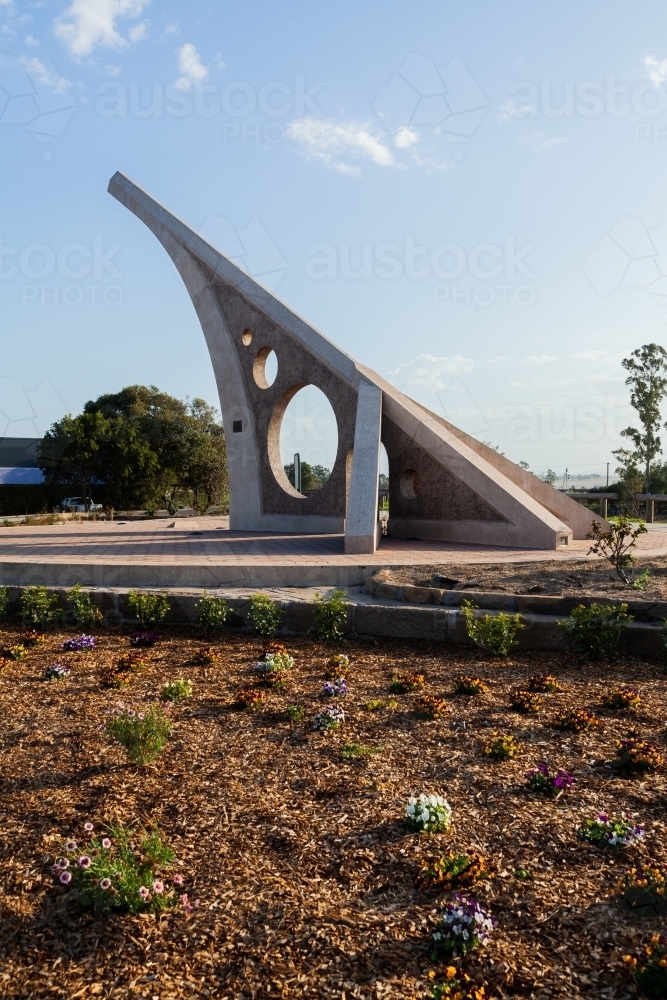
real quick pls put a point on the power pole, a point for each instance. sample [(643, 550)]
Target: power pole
[(297, 472)]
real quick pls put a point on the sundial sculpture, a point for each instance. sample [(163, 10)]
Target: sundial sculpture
[(443, 484)]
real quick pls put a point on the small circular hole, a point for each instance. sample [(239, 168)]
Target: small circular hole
[(246, 337)]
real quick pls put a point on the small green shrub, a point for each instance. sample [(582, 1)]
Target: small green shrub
[(84, 612), (264, 614), (150, 609), (177, 690), (595, 630), (39, 607), (212, 612), (502, 746), (355, 751), (294, 712), (496, 634), (330, 616), (4, 601), (143, 736)]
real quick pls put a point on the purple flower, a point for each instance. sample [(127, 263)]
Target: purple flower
[(85, 861), (70, 845), (144, 638), (177, 880), (62, 863), (334, 688), (106, 843), (603, 818), (65, 877), (105, 883), (79, 643), (158, 886), (144, 892), (88, 827)]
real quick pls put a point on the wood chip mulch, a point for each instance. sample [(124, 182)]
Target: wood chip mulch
[(303, 866)]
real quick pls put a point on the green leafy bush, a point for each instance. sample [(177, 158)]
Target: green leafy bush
[(330, 616), (150, 609), (177, 690), (294, 712), (84, 612), (494, 633), (4, 601), (142, 735), (595, 630), (212, 612), (39, 607), (122, 871), (264, 614)]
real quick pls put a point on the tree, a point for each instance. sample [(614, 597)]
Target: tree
[(145, 446), (647, 367), (550, 477), (312, 477)]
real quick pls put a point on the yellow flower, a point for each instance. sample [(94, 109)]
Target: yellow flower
[(451, 972)]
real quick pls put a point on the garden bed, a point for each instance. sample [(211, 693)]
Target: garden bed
[(301, 861)]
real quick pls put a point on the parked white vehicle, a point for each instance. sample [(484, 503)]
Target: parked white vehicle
[(77, 505)]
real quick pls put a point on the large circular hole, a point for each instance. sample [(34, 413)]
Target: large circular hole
[(265, 367), (246, 337), (303, 424), (410, 484)]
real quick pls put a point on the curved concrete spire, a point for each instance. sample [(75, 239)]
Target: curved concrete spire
[(443, 483)]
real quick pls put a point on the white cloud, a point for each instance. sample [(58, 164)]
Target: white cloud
[(330, 142), (406, 137), (173, 28), (511, 110), (538, 142), (656, 71), (427, 371), (32, 41), (538, 359), (219, 61), (191, 66), (112, 70), (498, 360), (47, 77), (90, 24), (138, 32)]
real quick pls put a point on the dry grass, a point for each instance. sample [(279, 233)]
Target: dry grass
[(304, 869)]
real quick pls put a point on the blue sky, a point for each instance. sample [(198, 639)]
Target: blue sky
[(469, 198)]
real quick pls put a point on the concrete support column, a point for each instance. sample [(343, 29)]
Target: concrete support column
[(361, 527), (650, 511), (603, 509)]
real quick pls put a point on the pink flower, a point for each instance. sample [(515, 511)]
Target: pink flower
[(85, 861), (105, 883), (70, 845), (65, 877), (158, 886), (62, 863), (88, 827), (106, 843), (144, 892), (177, 880)]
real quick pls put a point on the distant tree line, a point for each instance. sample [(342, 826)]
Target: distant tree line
[(149, 450), (313, 477)]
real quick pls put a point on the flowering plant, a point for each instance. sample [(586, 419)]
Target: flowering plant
[(79, 644), (410, 681), (32, 638), (606, 832), (462, 925), (651, 975), (428, 813), (55, 672), (379, 705), (331, 717), (525, 701), (469, 685), (646, 886), (249, 698), (274, 663), (454, 871), (334, 689), (540, 779), (637, 755), (112, 677), (431, 707), (120, 871), (502, 747), (338, 666), (205, 657), (622, 699), (143, 735), (15, 652), (273, 647), (144, 638), (453, 985), (544, 683), (576, 720), (176, 690)]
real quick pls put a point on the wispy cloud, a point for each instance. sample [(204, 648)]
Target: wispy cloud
[(47, 77), (335, 143), (191, 66), (511, 110), (90, 24), (538, 359), (32, 41), (538, 141), (429, 371), (656, 70), (173, 28), (406, 137)]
